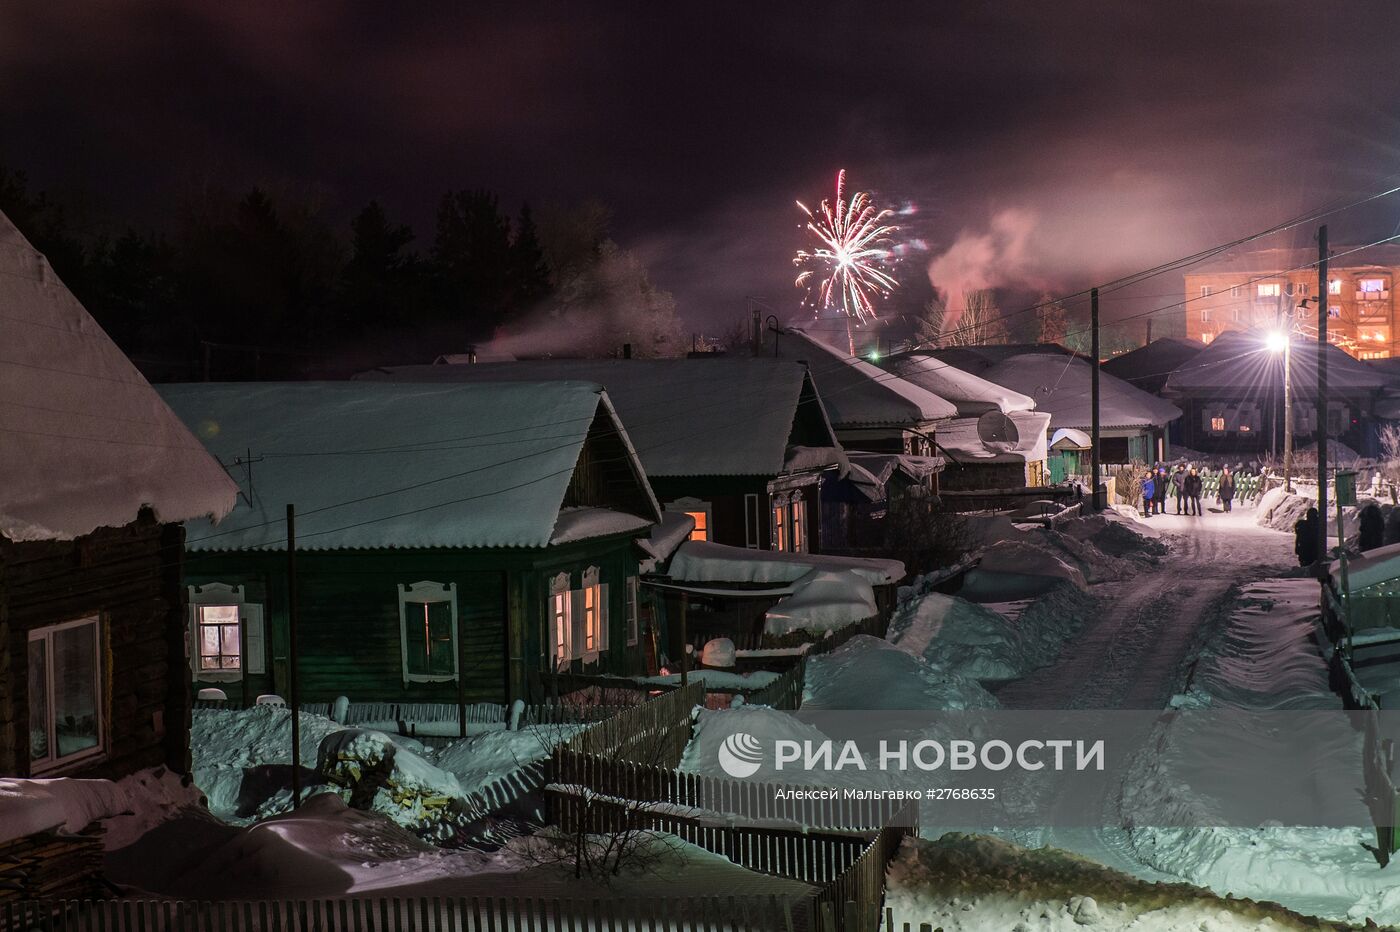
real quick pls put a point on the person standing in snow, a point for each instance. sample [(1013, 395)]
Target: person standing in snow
[(1160, 488), (1179, 486), (1149, 493), (1192, 486), (1305, 538), (1371, 528), (1226, 492)]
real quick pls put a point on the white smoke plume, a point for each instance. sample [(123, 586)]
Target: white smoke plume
[(999, 257)]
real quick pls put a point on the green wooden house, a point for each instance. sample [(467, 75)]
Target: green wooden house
[(451, 540)]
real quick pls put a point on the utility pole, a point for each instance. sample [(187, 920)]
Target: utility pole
[(1094, 400), (292, 654), (1288, 408), (1323, 562)]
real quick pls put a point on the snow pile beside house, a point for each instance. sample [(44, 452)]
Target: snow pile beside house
[(242, 757), (713, 726), (822, 601), (1280, 510), (1264, 658), (975, 883), (478, 761), (870, 673), (31, 806), (1010, 570), (954, 633)]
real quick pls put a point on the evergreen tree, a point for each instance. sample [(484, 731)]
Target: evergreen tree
[(471, 262)]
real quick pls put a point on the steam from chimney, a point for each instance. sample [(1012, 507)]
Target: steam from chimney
[(999, 257)]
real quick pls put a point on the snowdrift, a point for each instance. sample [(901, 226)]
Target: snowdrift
[(870, 673), (1011, 570)]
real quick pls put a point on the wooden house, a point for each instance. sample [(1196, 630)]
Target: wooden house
[(741, 445), (95, 475), (1232, 396), (452, 540)]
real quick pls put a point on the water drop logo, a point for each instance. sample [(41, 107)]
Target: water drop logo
[(741, 755)]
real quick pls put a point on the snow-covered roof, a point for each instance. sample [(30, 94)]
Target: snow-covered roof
[(970, 394), (85, 441), (668, 534), (1374, 566), (1060, 386), (686, 417), (1148, 367), (702, 561), (858, 394), (962, 440), (380, 466), (1067, 438), (1239, 361)]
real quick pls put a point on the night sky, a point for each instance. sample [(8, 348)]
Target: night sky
[(1048, 143)]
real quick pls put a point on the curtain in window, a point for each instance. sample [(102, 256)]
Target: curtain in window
[(429, 632)]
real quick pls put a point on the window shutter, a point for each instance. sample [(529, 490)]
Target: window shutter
[(604, 617), (192, 633), (254, 649)]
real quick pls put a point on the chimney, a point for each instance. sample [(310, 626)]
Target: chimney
[(627, 351)]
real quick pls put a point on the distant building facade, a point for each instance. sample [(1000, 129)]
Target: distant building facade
[(1250, 292)]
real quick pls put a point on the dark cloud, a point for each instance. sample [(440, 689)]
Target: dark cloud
[(1129, 132)]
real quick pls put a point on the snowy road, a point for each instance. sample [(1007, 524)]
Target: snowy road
[(1130, 656), (1134, 653)]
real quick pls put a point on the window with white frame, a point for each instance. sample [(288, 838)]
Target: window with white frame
[(634, 627), (1205, 291), (779, 522), (592, 616), (428, 631), (789, 522), (753, 521), (1269, 290), (1234, 291), (1205, 313), (226, 636), (798, 508), (65, 693), (561, 625), (1334, 286), (1371, 285)]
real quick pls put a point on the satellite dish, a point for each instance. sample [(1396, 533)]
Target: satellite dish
[(993, 427)]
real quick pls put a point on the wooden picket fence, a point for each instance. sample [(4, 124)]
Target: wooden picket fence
[(394, 914), (785, 692), (752, 800), (853, 901), (655, 732)]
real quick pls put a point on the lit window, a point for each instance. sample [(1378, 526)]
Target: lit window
[(699, 510), (220, 644), (65, 693), (780, 526), (1334, 310), (561, 620), (798, 509), (1375, 354), (1207, 337), (1334, 286), (701, 530), (226, 637), (634, 628), (428, 632), (1217, 423), (590, 619), (1371, 285), (1269, 290)]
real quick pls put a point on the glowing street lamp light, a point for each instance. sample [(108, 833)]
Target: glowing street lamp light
[(1281, 341)]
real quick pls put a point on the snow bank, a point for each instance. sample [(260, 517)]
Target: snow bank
[(713, 726), (1265, 657), (31, 806), (870, 673), (823, 600), (959, 635), (1017, 570), (227, 745), (478, 761), (975, 883)]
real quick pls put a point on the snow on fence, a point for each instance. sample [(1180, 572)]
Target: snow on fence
[(655, 732), (786, 691), (751, 800), (404, 914)]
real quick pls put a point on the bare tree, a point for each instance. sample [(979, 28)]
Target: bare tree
[(928, 324), (1053, 320), (979, 324)]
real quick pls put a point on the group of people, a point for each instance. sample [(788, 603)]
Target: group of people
[(1186, 485)]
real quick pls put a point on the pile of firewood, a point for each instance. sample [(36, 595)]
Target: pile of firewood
[(52, 865)]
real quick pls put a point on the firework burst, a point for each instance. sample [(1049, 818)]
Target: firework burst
[(849, 268)]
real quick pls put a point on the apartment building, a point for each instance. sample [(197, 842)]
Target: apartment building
[(1252, 291)]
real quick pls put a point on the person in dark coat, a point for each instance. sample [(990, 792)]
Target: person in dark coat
[(1372, 528), (1160, 484), (1149, 490), (1192, 485), (1179, 486), (1226, 492), (1305, 538)]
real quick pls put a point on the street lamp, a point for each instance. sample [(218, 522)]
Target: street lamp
[(1281, 341)]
